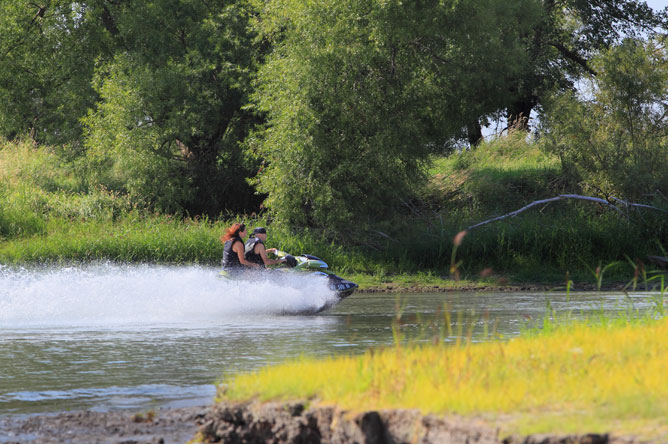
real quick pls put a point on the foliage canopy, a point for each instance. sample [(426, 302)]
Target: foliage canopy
[(358, 94), (176, 104), (613, 138)]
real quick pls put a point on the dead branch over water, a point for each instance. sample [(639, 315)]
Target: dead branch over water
[(619, 205)]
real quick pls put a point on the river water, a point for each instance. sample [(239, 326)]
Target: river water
[(107, 336)]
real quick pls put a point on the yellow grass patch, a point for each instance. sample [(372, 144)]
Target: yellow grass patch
[(578, 378)]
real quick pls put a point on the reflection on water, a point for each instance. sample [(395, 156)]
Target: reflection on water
[(107, 336)]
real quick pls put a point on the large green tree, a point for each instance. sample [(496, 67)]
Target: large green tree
[(358, 93), (166, 81), (612, 136), (170, 117), (48, 52)]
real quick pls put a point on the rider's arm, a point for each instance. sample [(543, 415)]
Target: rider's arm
[(259, 249), (239, 248)]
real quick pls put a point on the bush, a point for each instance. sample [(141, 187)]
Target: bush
[(16, 222)]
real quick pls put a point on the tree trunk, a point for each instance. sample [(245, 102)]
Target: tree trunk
[(519, 113), (474, 132)]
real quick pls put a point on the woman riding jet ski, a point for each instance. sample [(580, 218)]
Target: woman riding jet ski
[(233, 249)]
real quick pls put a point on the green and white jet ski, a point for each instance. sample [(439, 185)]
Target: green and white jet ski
[(308, 265)]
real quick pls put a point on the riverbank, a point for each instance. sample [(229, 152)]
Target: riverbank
[(160, 426), (277, 423), (136, 238), (297, 422), (400, 286)]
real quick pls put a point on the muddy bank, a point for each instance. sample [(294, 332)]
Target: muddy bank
[(295, 423), (268, 423), (405, 288), (160, 426)]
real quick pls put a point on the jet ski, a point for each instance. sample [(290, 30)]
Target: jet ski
[(308, 265)]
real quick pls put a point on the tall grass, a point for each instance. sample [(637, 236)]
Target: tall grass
[(129, 239)]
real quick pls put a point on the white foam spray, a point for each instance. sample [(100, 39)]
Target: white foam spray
[(100, 294)]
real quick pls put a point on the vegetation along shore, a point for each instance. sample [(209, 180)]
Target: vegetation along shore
[(360, 141), (44, 220)]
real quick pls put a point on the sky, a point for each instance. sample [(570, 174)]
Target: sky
[(657, 4)]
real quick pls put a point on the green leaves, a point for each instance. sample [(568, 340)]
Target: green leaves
[(47, 56), (614, 139), (177, 104), (167, 127), (358, 93)]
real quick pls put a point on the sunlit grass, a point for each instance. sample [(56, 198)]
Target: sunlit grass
[(576, 377), (130, 239), (420, 281)]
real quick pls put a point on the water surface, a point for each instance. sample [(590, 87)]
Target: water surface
[(110, 336)]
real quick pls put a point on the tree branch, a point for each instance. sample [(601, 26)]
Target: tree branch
[(572, 55), (569, 196)]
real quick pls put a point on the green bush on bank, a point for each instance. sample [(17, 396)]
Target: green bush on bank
[(612, 137)]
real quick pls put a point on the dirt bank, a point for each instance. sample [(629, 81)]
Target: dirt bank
[(268, 423), (528, 287), (160, 426), (293, 423)]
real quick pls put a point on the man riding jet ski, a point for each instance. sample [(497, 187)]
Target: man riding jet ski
[(255, 251)]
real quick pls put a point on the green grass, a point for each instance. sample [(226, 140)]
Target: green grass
[(137, 237), (499, 175), (129, 239)]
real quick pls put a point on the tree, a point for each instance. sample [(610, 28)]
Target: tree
[(562, 44), (48, 53), (613, 138), (358, 93), (169, 120)]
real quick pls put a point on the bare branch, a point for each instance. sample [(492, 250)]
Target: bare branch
[(569, 196), (636, 205)]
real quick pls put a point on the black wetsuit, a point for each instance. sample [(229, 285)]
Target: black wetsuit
[(250, 254), (230, 257)]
